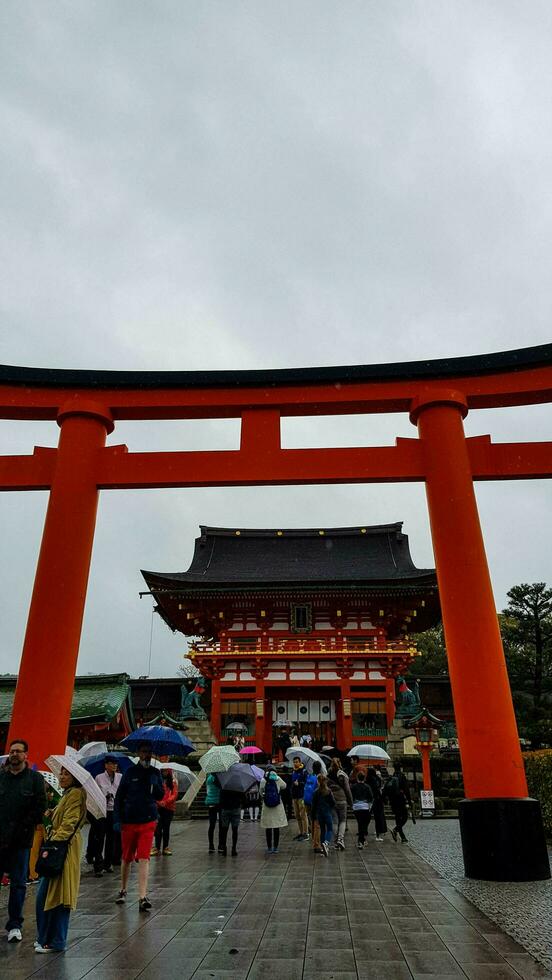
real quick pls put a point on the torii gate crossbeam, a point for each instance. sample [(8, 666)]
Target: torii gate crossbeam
[(501, 828)]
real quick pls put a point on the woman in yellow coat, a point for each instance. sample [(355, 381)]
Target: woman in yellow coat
[(57, 896)]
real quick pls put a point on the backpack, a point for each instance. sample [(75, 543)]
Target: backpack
[(393, 787), (272, 793), (311, 784)]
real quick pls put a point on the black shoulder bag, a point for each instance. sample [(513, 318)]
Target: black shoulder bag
[(52, 855)]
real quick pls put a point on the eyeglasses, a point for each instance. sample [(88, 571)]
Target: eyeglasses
[(17, 751)]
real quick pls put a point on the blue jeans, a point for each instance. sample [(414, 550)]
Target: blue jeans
[(52, 926), (16, 864), (324, 818)]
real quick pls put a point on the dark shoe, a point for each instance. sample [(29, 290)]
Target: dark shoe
[(223, 852), (404, 840), (98, 873), (108, 871), (121, 898), (234, 852), (211, 850), (144, 905)]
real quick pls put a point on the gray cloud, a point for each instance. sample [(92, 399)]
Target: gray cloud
[(257, 184)]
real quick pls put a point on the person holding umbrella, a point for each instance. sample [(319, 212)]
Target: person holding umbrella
[(234, 784), (165, 809), (59, 888), (57, 897), (135, 814), (273, 815), (108, 781)]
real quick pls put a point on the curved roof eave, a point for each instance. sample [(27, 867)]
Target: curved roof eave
[(447, 367)]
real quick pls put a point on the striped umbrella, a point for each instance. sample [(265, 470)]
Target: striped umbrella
[(219, 758)]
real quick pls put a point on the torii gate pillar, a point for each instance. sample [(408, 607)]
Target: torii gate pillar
[(51, 647), (501, 828)]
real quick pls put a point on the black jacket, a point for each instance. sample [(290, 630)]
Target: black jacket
[(22, 806), (135, 800), (362, 793)]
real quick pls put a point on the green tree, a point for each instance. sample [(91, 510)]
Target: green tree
[(526, 627), (432, 657)]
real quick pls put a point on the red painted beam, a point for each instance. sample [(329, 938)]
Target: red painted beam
[(263, 463), (34, 472)]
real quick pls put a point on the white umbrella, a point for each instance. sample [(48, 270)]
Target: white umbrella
[(307, 756), (95, 800), (90, 749), (51, 780), (184, 775), (69, 750), (219, 758), (367, 751)]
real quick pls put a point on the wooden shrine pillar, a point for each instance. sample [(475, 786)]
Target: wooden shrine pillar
[(215, 708), (44, 693), (344, 719), (499, 826), (260, 712)]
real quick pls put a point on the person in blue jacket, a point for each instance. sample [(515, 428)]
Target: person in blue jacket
[(135, 813)]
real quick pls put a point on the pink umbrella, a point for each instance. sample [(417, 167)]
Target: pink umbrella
[(250, 750)]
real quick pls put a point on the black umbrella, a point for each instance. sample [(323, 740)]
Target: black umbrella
[(238, 779)]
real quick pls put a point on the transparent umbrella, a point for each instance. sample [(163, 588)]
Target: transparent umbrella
[(367, 751), (307, 756), (95, 800)]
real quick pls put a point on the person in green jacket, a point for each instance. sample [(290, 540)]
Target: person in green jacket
[(212, 799)]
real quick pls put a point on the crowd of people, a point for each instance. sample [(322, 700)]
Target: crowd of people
[(139, 807), (319, 802)]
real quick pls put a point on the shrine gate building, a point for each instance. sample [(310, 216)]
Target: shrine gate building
[(305, 626)]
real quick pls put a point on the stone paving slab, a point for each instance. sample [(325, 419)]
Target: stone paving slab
[(383, 913), (523, 910)]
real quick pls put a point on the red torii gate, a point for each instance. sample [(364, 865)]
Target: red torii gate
[(501, 829)]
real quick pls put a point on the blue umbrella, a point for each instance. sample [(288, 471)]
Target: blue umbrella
[(95, 764), (163, 740)]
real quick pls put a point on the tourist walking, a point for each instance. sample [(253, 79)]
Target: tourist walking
[(252, 803), (108, 841), (22, 807), (323, 806), (57, 897), (311, 785), (363, 799), (135, 814), (378, 810), (338, 783), (284, 742), (166, 809), (398, 793), (212, 800), (273, 814), (231, 805), (298, 780)]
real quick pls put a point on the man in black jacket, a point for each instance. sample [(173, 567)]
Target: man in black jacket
[(135, 814), (22, 806)]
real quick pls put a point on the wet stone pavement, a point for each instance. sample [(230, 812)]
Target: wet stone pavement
[(382, 913)]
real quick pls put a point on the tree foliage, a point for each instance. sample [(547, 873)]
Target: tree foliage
[(432, 657), (526, 627)]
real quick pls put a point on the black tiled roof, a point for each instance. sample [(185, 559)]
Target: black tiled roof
[(240, 556)]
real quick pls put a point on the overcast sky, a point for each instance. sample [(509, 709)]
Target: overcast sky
[(268, 184)]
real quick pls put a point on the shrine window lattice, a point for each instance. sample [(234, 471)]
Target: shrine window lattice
[(301, 618)]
